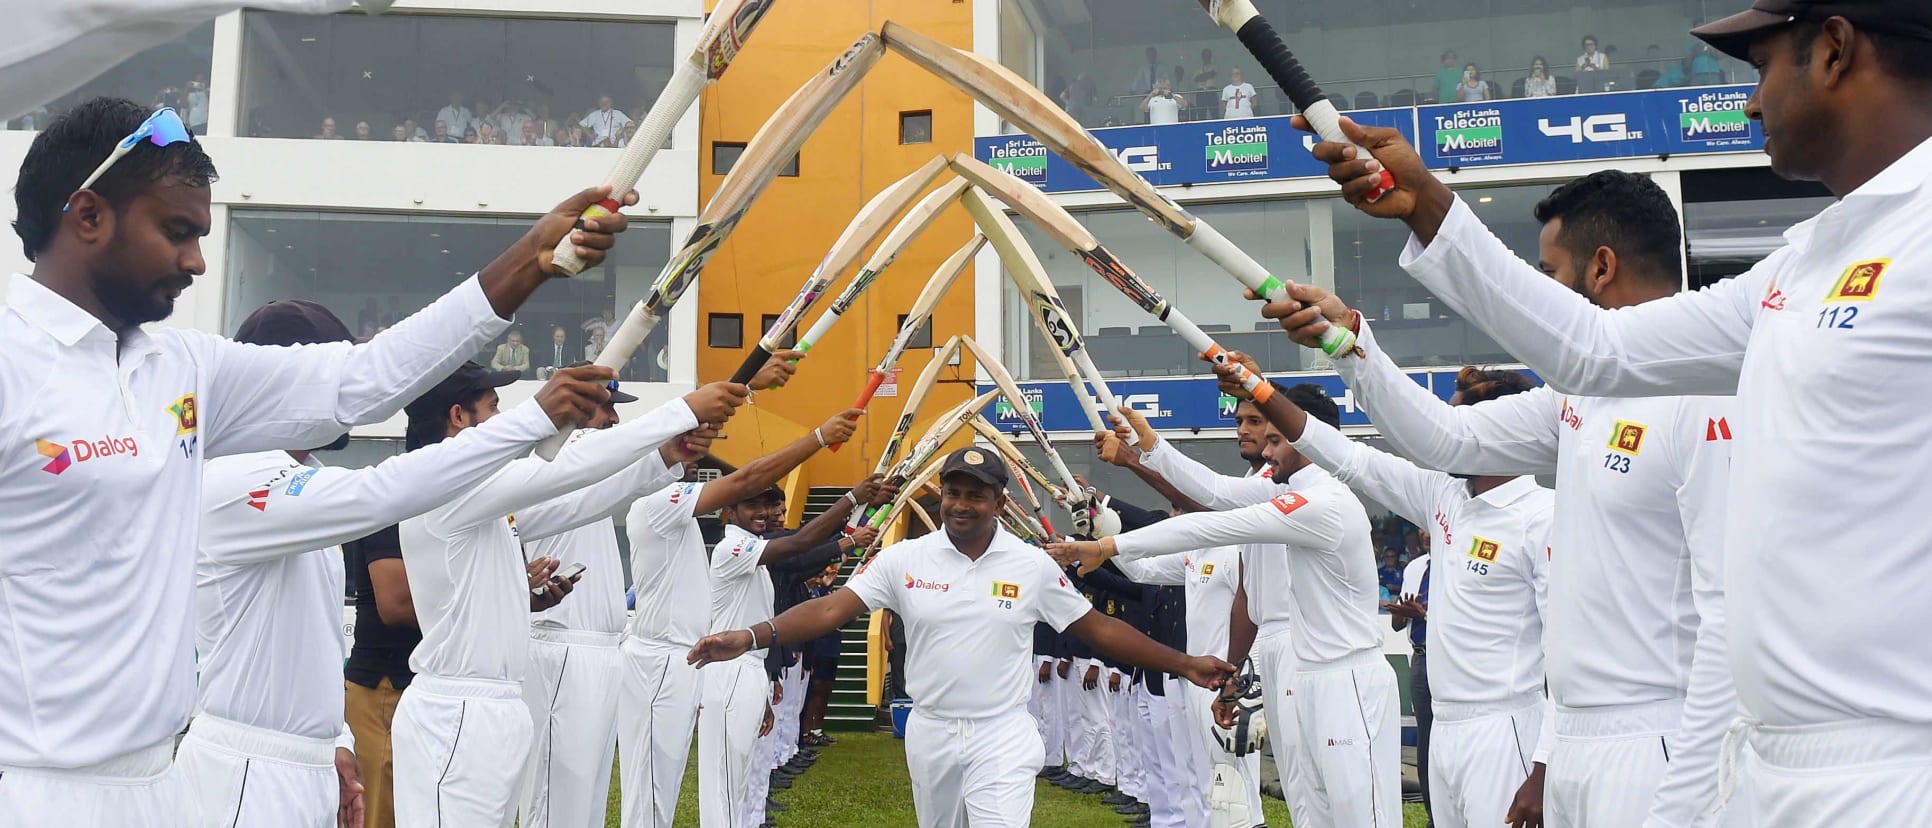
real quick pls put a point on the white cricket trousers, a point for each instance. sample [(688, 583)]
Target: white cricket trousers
[(1165, 766), (791, 713), (571, 686), (1275, 662), (1068, 695), (1349, 765), (460, 748), (1097, 746), (1044, 705), (1199, 724), (751, 811), (973, 772), (655, 714), (134, 790), (1607, 763), (1479, 754), (1123, 715), (1870, 772), (734, 696), (243, 776)]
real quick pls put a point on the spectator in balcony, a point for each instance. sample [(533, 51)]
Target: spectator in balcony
[(1473, 88), (398, 134), (533, 136), (1150, 74), (512, 355), (510, 118), (630, 132), (168, 96), (601, 324), (1160, 105), (486, 133), (547, 127), (1207, 77), (470, 136), (1237, 98), (442, 135), (595, 346), (606, 125), (362, 131), (497, 137), (558, 354), (415, 133), (1081, 98), (196, 99), (1448, 78), (1539, 84), (485, 113), (1698, 68), (328, 130), (456, 116), (1592, 60)]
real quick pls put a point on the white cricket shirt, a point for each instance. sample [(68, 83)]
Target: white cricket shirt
[(596, 604), (969, 624), (465, 560), (1208, 577), (1489, 590), (1636, 595), (741, 589), (268, 580), (1824, 343), (1264, 566), (1163, 111), (1326, 532), (669, 568), (102, 443)]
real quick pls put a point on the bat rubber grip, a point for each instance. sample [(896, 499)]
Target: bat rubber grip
[(748, 369), (564, 256), (1267, 47), (1337, 341)]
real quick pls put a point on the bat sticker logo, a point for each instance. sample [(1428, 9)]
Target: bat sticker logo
[(859, 283), (1053, 318), (852, 54), (725, 48), (1103, 262)]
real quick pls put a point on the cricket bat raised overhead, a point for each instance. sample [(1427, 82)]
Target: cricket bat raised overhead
[(929, 444), (865, 228), (1077, 499), (921, 313), (723, 35), (1030, 110), (1028, 201), (915, 222), (915, 399), (1043, 303), (1023, 472), (1254, 32), (771, 147)]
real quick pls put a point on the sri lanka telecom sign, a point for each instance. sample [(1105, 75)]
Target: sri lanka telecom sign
[(1716, 119), (1466, 134), (1238, 150)]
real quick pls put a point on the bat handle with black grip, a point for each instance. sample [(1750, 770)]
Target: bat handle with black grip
[(754, 361), (1267, 47)]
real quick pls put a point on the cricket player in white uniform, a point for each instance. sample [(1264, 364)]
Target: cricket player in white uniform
[(1347, 744), (105, 450), (736, 695), (571, 685), (1636, 652), (263, 749), (970, 595), (1818, 342), (1210, 578), (462, 731), (1487, 601)]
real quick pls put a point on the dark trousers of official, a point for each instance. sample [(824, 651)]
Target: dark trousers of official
[(1425, 717), (896, 673)]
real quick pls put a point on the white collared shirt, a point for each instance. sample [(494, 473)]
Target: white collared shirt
[(1330, 563), (1264, 566), (457, 117), (1489, 592), (741, 589), (596, 603), (669, 568), (103, 449), (606, 124), (1208, 578), (969, 624), (268, 579), (465, 560)]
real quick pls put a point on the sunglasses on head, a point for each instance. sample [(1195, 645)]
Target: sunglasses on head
[(162, 128)]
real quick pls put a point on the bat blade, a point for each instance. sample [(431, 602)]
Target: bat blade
[(864, 229), (915, 222), (724, 34)]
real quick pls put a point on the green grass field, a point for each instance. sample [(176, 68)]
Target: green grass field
[(861, 781)]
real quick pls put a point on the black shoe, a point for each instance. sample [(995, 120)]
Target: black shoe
[(1139, 819), (1133, 808), (809, 754), (1046, 773), (769, 823), (795, 767), (1095, 786), (781, 781), (774, 806), (1116, 798)]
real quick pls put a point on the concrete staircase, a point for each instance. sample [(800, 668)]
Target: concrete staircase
[(848, 710)]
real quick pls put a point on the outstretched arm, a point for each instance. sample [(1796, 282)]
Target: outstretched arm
[(761, 473), (1112, 638), (812, 619), (828, 523)]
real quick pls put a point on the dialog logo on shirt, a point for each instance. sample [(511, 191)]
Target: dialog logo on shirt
[(1288, 502), (1859, 283), (1568, 416), (61, 457), (1627, 437), (921, 583), (1484, 549)]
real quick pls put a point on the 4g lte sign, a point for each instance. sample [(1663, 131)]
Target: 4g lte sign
[(1596, 129)]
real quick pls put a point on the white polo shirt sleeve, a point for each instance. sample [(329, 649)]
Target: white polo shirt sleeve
[(259, 398), (1059, 604), (1293, 518), (1413, 492), (736, 556), (669, 510), (594, 457), (598, 500), (1700, 457), (1205, 485), (877, 583), (1691, 343), (1511, 435), (1163, 570), (261, 506)]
